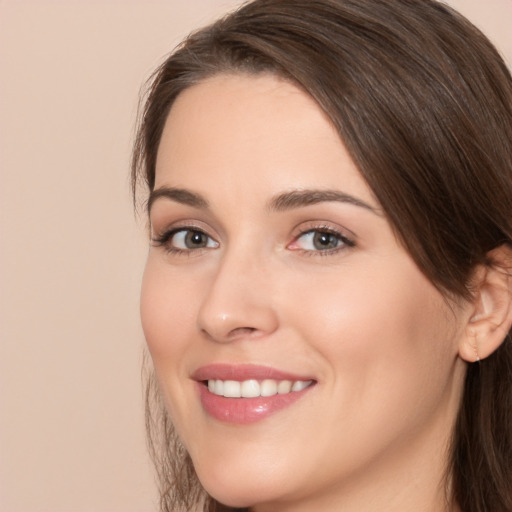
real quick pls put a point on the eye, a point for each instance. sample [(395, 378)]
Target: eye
[(185, 239), (190, 239), (320, 240)]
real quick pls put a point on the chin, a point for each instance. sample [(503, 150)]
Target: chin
[(238, 489), (234, 494)]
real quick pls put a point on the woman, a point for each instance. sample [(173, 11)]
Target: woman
[(327, 295)]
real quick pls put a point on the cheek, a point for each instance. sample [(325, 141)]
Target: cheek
[(387, 342), (166, 310), (382, 332), (167, 321), (392, 305)]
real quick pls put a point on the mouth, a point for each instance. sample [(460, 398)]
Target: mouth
[(247, 393)]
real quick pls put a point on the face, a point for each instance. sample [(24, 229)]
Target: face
[(303, 357)]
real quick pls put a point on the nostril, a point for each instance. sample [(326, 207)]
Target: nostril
[(241, 332)]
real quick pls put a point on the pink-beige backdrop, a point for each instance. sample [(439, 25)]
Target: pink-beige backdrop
[(71, 251)]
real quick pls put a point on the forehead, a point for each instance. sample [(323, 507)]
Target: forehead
[(237, 127)]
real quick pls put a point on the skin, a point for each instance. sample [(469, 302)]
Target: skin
[(380, 341)]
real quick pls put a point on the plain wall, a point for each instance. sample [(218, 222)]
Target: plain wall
[(71, 251)]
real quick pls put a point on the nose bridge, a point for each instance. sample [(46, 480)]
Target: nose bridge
[(238, 302)]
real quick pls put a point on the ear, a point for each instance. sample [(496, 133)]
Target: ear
[(490, 317)]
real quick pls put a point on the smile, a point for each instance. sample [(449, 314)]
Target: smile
[(253, 388), (244, 394)]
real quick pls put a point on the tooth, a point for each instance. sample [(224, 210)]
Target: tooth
[(219, 387), (268, 387), (284, 387), (250, 388), (300, 385), (232, 389)]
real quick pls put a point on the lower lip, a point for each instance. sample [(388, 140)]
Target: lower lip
[(246, 410)]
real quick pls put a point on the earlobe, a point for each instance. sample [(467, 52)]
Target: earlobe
[(491, 317)]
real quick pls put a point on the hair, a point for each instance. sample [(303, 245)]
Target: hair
[(423, 103)]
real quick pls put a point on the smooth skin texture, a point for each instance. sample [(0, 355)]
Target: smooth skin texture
[(322, 290)]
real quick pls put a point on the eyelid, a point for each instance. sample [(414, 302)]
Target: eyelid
[(164, 228)]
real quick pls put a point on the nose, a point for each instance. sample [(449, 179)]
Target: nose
[(238, 303)]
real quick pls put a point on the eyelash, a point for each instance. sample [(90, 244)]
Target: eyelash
[(165, 238)]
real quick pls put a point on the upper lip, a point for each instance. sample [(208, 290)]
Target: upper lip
[(241, 372)]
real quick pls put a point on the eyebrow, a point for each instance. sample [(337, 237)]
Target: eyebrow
[(178, 195), (282, 202), (301, 198)]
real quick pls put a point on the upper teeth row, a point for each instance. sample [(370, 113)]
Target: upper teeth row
[(253, 388)]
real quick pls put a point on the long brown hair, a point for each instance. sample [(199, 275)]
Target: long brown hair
[(423, 103)]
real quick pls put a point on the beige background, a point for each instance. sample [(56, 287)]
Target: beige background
[(71, 252)]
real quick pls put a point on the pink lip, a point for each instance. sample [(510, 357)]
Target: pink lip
[(244, 410), (241, 372)]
